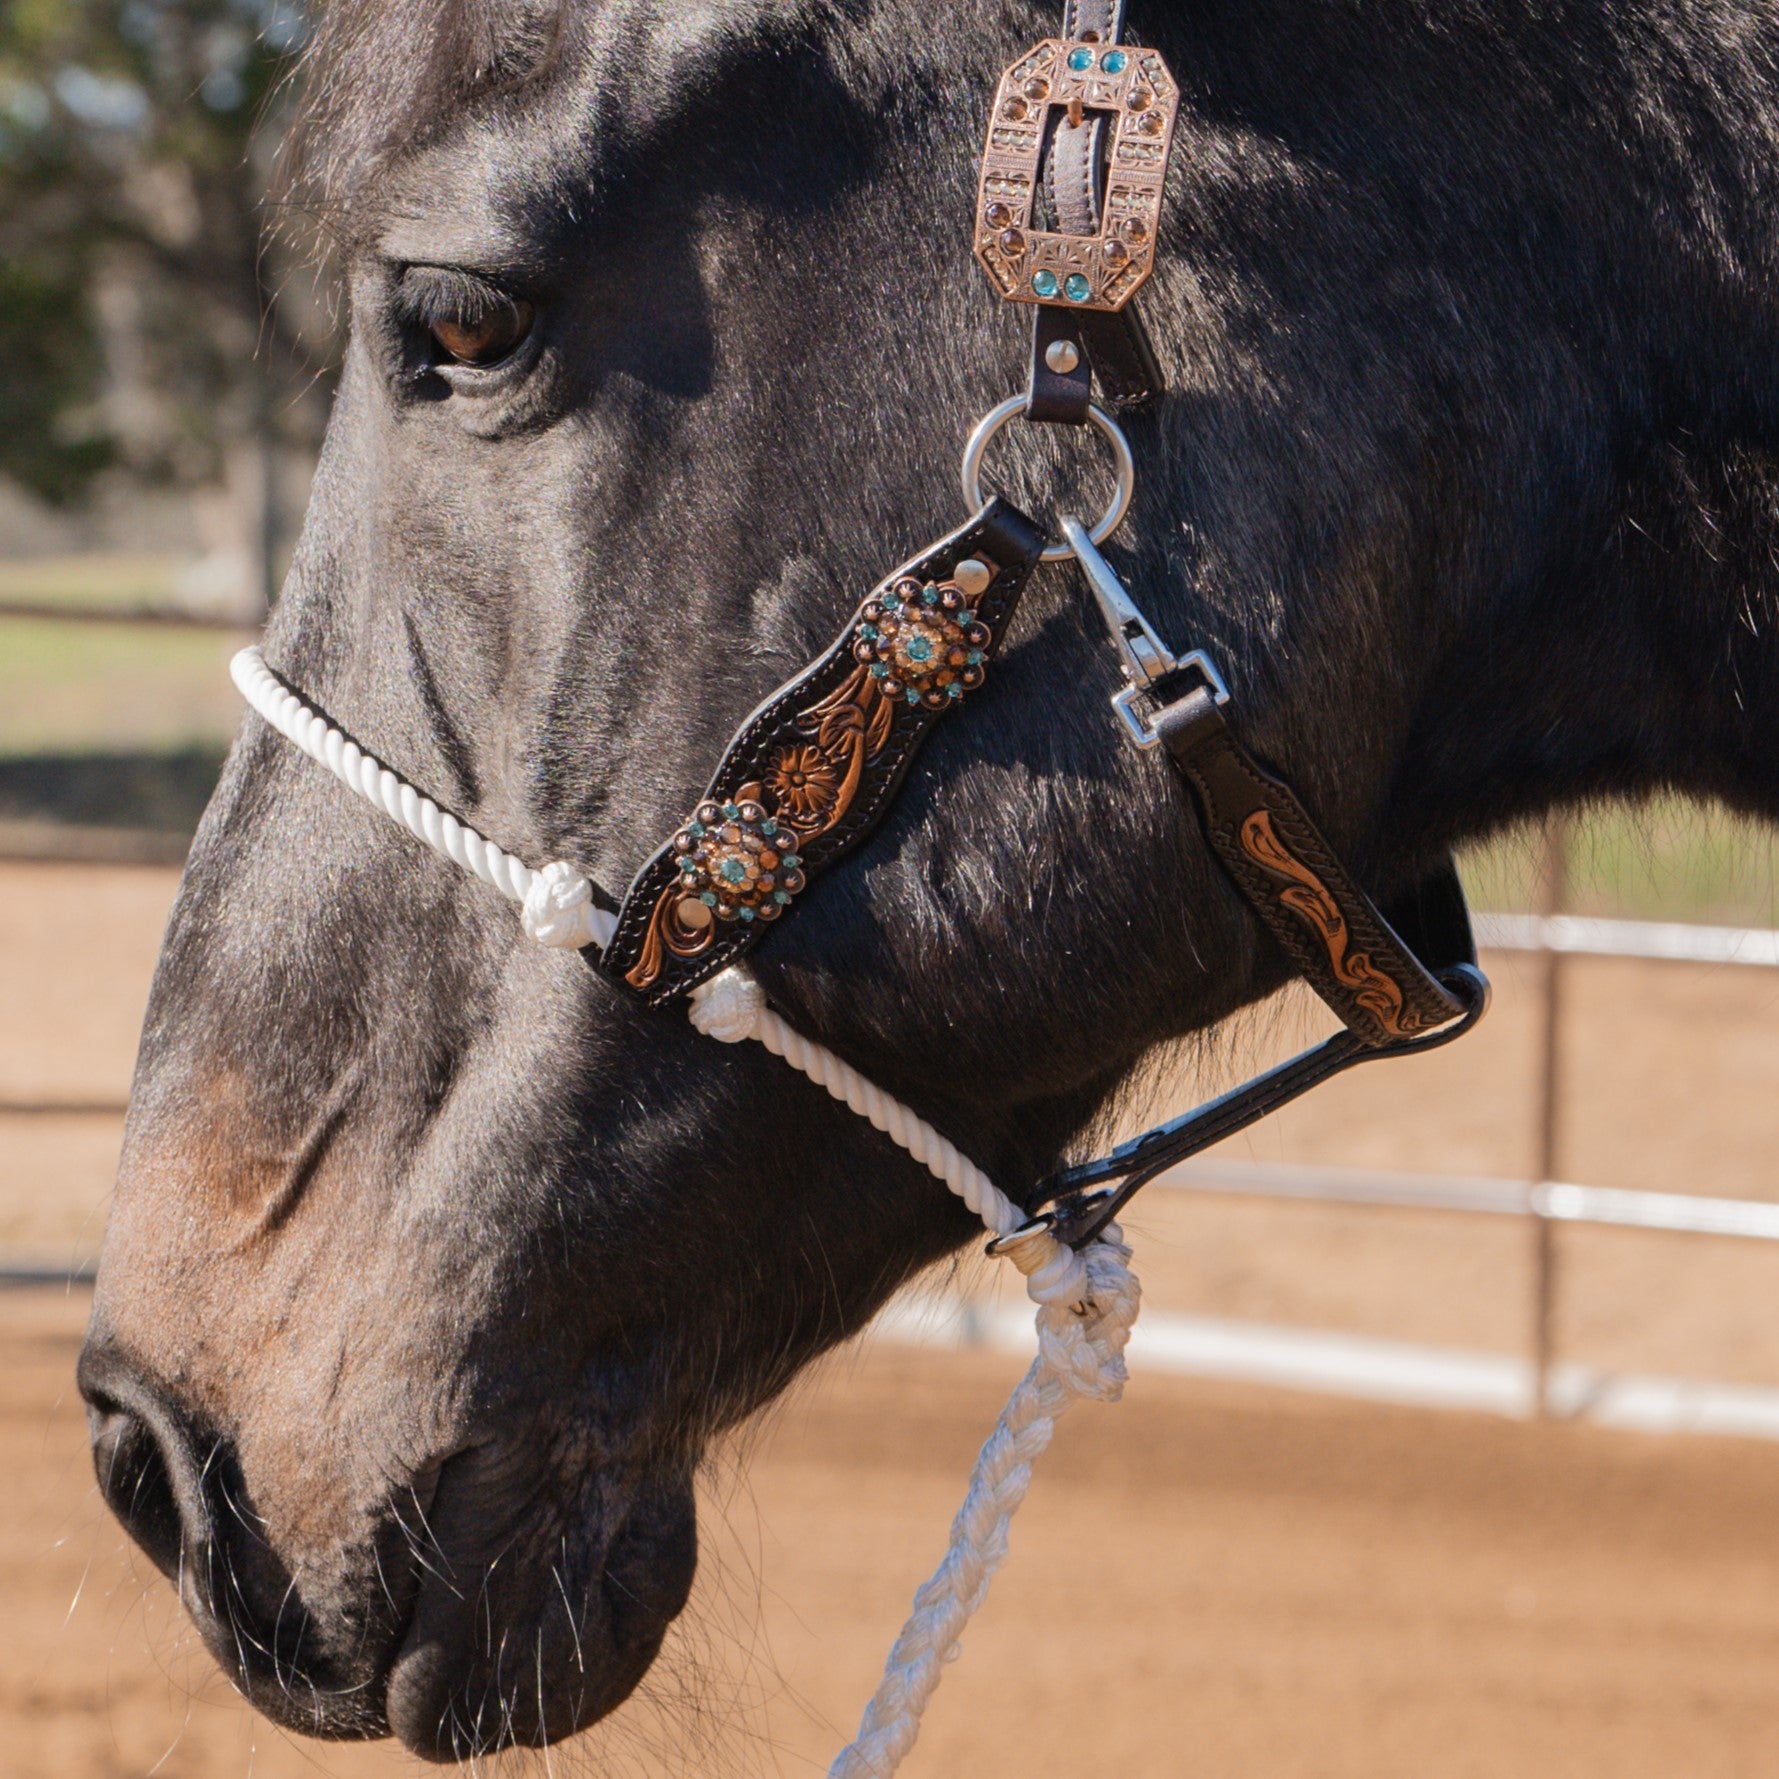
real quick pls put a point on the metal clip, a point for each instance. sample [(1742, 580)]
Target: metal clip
[(1144, 657), (1146, 731)]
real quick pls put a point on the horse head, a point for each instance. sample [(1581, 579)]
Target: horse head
[(436, 1258)]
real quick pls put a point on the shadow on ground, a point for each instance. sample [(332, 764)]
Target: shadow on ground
[(161, 793)]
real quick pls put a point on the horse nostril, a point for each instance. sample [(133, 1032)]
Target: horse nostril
[(141, 1457)]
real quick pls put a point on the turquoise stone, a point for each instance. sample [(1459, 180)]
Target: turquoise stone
[(974, 657), (954, 690), (919, 649), (781, 897), (912, 696), (731, 811), (745, 913), (930, 596), (1077, 289), (1114, 61), (733, 870), (769, 827), (1080, 60), (1044, 283), (868, 632), (709, 898), (696, 830)]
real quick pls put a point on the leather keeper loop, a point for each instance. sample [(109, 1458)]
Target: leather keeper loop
[(1061, 397)]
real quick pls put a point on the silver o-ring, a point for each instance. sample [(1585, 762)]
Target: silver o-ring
[(1109, 430)]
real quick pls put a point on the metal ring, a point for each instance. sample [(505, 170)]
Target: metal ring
[(1109, 430)]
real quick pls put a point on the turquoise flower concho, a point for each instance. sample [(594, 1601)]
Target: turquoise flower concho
[(922, 643), (735, 864)]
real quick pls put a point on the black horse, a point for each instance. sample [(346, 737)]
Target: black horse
[(436, 1260)]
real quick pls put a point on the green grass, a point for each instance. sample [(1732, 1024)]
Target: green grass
[(1667, 860), (103, 689), (96, 579), (112, 725), (89, 688)]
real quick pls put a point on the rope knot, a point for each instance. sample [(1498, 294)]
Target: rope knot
[(729, 1007), (1087, 1303), (558, 908), (1053, 1273)]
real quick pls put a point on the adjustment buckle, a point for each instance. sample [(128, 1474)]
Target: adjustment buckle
[(1129, 91)]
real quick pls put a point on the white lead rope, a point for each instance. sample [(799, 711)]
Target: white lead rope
[(1086, 1302)]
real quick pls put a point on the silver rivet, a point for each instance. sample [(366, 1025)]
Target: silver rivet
[(972, 577), (1062, 356)]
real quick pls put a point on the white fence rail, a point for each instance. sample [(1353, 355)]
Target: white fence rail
[(1559, 1200), (1665, 941)]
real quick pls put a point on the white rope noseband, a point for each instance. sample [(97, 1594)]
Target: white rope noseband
[(1086, 1302), (557, 901)]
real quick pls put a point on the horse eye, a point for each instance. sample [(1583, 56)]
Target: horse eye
[(487, 339)]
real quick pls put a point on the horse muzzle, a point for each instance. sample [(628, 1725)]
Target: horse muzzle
[(530, 1627), (503, 1596)]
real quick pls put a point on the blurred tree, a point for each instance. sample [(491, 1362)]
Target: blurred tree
[(140, 320)]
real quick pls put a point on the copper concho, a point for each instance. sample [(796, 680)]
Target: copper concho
[(1133, 91), (921, 643)]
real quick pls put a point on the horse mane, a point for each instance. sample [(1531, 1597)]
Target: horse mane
[(379, 77)]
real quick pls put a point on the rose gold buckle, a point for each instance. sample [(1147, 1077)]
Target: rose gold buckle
[(1134, 92)]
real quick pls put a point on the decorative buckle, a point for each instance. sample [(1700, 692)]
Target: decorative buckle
[(1137, 96)]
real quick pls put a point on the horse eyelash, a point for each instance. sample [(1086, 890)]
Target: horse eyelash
[(428, 294)]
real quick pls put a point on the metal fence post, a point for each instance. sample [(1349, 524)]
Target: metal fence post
[(1549, 1134)]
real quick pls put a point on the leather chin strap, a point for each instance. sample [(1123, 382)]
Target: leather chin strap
[(1079, 1202)]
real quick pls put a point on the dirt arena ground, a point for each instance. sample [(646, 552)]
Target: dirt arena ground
[(1208, 1580)]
